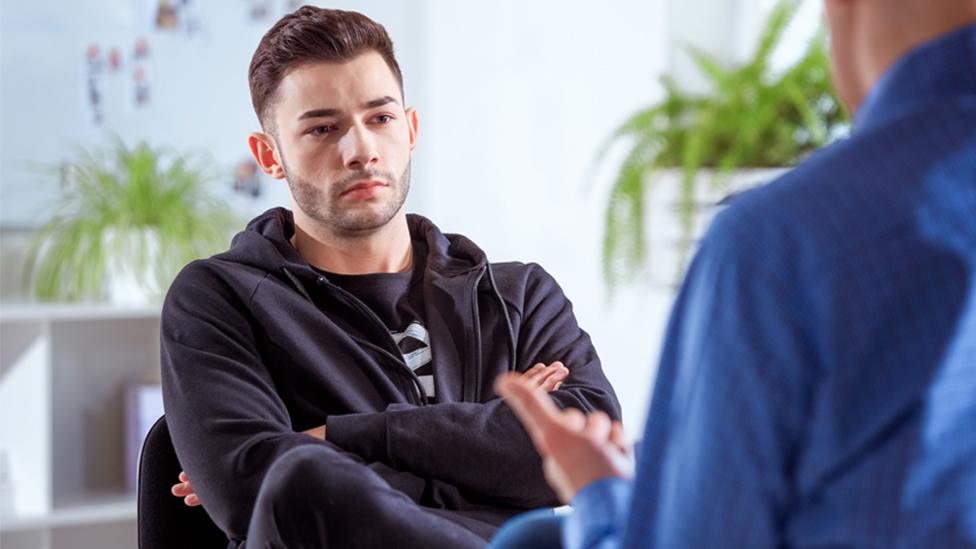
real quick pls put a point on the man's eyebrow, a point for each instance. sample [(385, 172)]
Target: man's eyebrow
[(319, 113), (386, 99), (324, 113)]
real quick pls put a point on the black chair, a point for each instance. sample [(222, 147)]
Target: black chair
[(164, 522)]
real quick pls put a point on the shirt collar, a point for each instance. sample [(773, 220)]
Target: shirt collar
[(942, 67)]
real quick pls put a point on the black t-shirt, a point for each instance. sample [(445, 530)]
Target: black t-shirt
[(398, 301)]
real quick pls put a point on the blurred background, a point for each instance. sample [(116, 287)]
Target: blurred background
[(547, 135)]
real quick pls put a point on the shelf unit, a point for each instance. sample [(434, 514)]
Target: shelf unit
[(64, 371)]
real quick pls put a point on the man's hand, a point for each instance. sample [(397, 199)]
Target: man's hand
[(548, 378), (576, 449), (183, 489)]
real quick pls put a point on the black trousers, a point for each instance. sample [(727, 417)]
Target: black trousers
[(316, 497)]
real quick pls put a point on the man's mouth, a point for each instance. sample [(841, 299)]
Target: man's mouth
[(364, 189)]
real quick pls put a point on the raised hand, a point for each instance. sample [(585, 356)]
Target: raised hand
[(576, 449)]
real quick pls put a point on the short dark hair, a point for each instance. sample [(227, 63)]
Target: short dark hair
[(311, 34)]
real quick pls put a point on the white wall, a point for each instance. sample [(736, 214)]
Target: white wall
[(520, 96)]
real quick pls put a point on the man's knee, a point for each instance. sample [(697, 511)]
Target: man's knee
[(315, 478), (299, 473)]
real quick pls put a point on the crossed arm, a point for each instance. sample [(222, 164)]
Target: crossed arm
[(545, 378)]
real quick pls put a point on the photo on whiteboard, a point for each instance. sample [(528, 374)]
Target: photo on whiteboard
[(259, 11), (140, 80), (178, 16), (92, 88), (247, 179)]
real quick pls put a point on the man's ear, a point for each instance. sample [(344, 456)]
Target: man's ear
[(413, 126), (265, 154)]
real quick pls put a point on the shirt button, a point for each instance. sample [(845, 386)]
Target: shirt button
[(321, 281)]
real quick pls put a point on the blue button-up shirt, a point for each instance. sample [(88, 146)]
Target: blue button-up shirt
[(817, 386)]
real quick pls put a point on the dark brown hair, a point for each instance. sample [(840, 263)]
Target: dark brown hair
[(311, 34)]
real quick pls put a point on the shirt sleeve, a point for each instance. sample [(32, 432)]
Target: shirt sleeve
[(599, 515)]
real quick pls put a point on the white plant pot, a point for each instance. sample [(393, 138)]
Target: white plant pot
[(130, 277), (662, 225)]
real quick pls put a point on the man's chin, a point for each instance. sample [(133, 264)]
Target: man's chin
[(363, 223)]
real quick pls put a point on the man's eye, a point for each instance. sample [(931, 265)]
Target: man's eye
[(321, 130), (384, 118)]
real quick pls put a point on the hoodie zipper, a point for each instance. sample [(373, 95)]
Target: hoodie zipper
[(474, 347), (350, 300), (419, 392)]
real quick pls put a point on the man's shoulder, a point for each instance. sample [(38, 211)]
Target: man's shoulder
[(213, 280), (520, 283), (217, 269), (521, 273), (859, 192)]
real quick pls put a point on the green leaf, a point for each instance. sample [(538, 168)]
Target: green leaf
[(131, 193), (750, 119)]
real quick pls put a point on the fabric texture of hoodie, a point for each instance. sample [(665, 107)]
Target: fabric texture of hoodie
[(258, 346)]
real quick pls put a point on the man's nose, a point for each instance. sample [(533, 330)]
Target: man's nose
[(358, 148)]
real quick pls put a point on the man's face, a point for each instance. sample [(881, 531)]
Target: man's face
[(345, 140)]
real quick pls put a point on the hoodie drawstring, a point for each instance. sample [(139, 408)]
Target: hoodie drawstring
[(508, 321)]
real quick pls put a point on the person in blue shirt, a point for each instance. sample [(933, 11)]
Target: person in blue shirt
[(817, 386)]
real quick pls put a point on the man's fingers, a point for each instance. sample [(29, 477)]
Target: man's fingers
[(556, 373), (534, 374), (182, 489), (549, 384), (598, 426), (573, 419), (545, 376), (529, 398), (617, 436), (532, 406)]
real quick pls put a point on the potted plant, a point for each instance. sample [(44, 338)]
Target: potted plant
[(128, 221), (752, 118)]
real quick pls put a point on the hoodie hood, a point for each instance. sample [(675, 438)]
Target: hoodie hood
[(265, 244)]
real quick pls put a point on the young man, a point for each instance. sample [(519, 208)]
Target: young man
[(818, 382), (328, 380)]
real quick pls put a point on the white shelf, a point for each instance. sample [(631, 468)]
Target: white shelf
[(65, 373), (97, 510), (54, 312)]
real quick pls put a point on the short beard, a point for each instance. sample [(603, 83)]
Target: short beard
[(322, 204)]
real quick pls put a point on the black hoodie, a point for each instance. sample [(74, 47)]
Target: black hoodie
[(258, 346)]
